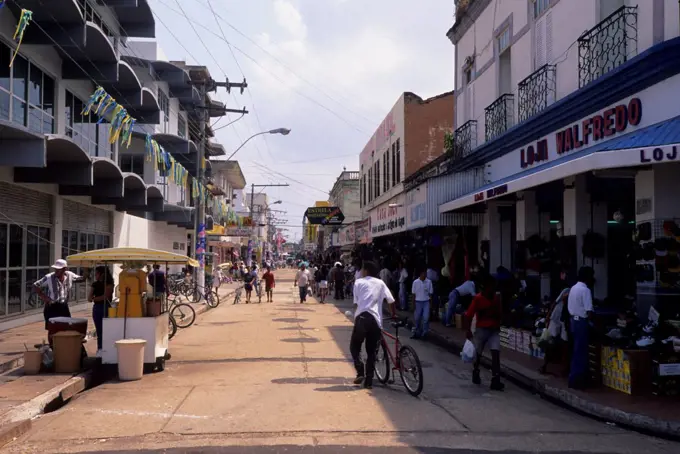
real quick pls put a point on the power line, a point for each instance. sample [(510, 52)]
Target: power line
[(292, 88)]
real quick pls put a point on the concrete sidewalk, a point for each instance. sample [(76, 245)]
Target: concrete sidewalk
[(650, 414), (22, 397)]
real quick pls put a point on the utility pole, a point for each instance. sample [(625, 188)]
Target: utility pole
[(206, 85), (252, 215)]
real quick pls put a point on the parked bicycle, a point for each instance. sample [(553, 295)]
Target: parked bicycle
[(183, 314), (196, 294), (404, 359)]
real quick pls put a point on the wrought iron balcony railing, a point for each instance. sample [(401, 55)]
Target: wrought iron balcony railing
[(536, 92), (465, 139), (499, 116), (607, 45)]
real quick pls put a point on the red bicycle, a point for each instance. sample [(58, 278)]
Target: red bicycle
[(404, 359)]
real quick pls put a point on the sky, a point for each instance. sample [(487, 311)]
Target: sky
[(329, 70)]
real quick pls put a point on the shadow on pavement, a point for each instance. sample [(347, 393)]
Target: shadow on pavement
[(311, 380), (261, 360), (308, 340), (329, 449), (295, 328), (289, 320)]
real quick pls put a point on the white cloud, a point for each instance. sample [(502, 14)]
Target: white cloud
[(290, 19)]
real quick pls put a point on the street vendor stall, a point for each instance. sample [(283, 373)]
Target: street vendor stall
[(137, 313)]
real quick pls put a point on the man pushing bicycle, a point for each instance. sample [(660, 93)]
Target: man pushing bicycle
[(369, 294)]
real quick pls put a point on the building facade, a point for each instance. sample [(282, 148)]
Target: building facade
[(66, 186), (412, 134), (575, 136)]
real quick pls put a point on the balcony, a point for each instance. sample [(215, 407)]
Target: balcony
[(465, 139), (608, 45), (499, 116), (536, 92)]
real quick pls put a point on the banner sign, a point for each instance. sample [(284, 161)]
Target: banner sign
[(238, 231), (324, 215), (362, 231), (200, 245)]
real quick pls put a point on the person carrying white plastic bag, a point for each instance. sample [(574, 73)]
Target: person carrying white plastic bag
[(487, 309)]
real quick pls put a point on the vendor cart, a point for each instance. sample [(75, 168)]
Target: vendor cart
[(136, 313)]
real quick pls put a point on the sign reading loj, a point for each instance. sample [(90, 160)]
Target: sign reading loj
[(324, 215), (659, 154)]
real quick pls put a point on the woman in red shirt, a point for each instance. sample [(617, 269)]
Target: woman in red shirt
[(269, 284), (486, 306)]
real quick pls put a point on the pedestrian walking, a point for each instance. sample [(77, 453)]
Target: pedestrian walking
[(403, 278), (433, 276), (339, 281), (269, 283), (580, 305), (101, 295), (486, 307), (302, 278), (422, 291), (369, 294)]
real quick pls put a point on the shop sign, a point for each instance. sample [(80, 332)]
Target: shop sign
[(659, 154), (346, 235), (389, 217), (324, 215), (362, 231), (416, 207), (590, 130), (491, 193), (238, 231)]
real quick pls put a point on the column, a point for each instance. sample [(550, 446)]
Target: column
[(580, 215), (527, 215), (57, 227), (491, 231)]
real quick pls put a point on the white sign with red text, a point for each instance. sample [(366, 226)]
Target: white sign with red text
[(389, 217)]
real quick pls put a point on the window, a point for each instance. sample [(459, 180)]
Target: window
[(84, 130), (543, 41), (376, 175), (398, 163), (181, 127), (24, 258), (164, 103), (370, 185), (26, 93), (73, 242), (503, 40), (133, 163), (394, 164), (364, 185), (386, 170), (540, 6)]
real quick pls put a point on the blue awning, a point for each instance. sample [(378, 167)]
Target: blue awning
[(604, 155)]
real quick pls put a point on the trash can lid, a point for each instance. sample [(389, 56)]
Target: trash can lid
[(131, 342), (68, 334), (69, 320)]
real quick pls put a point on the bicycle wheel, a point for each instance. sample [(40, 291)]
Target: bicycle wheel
[(172, 328), (183, 314), (411, 370), (212, 298), (191, 293), (382, 363)]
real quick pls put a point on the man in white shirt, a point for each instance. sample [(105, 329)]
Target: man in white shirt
[(302, 278), (54, 289), (422, 291), (369, 293), (386, 275), (580, 305), (467, 288)]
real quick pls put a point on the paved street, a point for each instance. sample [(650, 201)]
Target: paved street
[(267, 378)]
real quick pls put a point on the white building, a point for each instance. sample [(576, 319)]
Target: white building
[(65, 188), (566, 107)]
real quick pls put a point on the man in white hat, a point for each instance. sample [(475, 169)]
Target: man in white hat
[(54, 289)]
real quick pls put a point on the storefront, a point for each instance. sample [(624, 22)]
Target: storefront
[(597, 189)]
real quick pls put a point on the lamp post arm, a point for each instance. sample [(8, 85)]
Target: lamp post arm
[(246, 141)]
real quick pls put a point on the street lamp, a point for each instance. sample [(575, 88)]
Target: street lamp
[(282, 131)]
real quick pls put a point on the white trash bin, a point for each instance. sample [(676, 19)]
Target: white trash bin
[(130, 359)]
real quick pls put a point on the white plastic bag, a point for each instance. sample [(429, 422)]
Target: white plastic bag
[(468, 353)]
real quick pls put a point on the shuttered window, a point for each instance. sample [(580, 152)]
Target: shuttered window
[(25, 205), (543, 33), (86, 218)]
